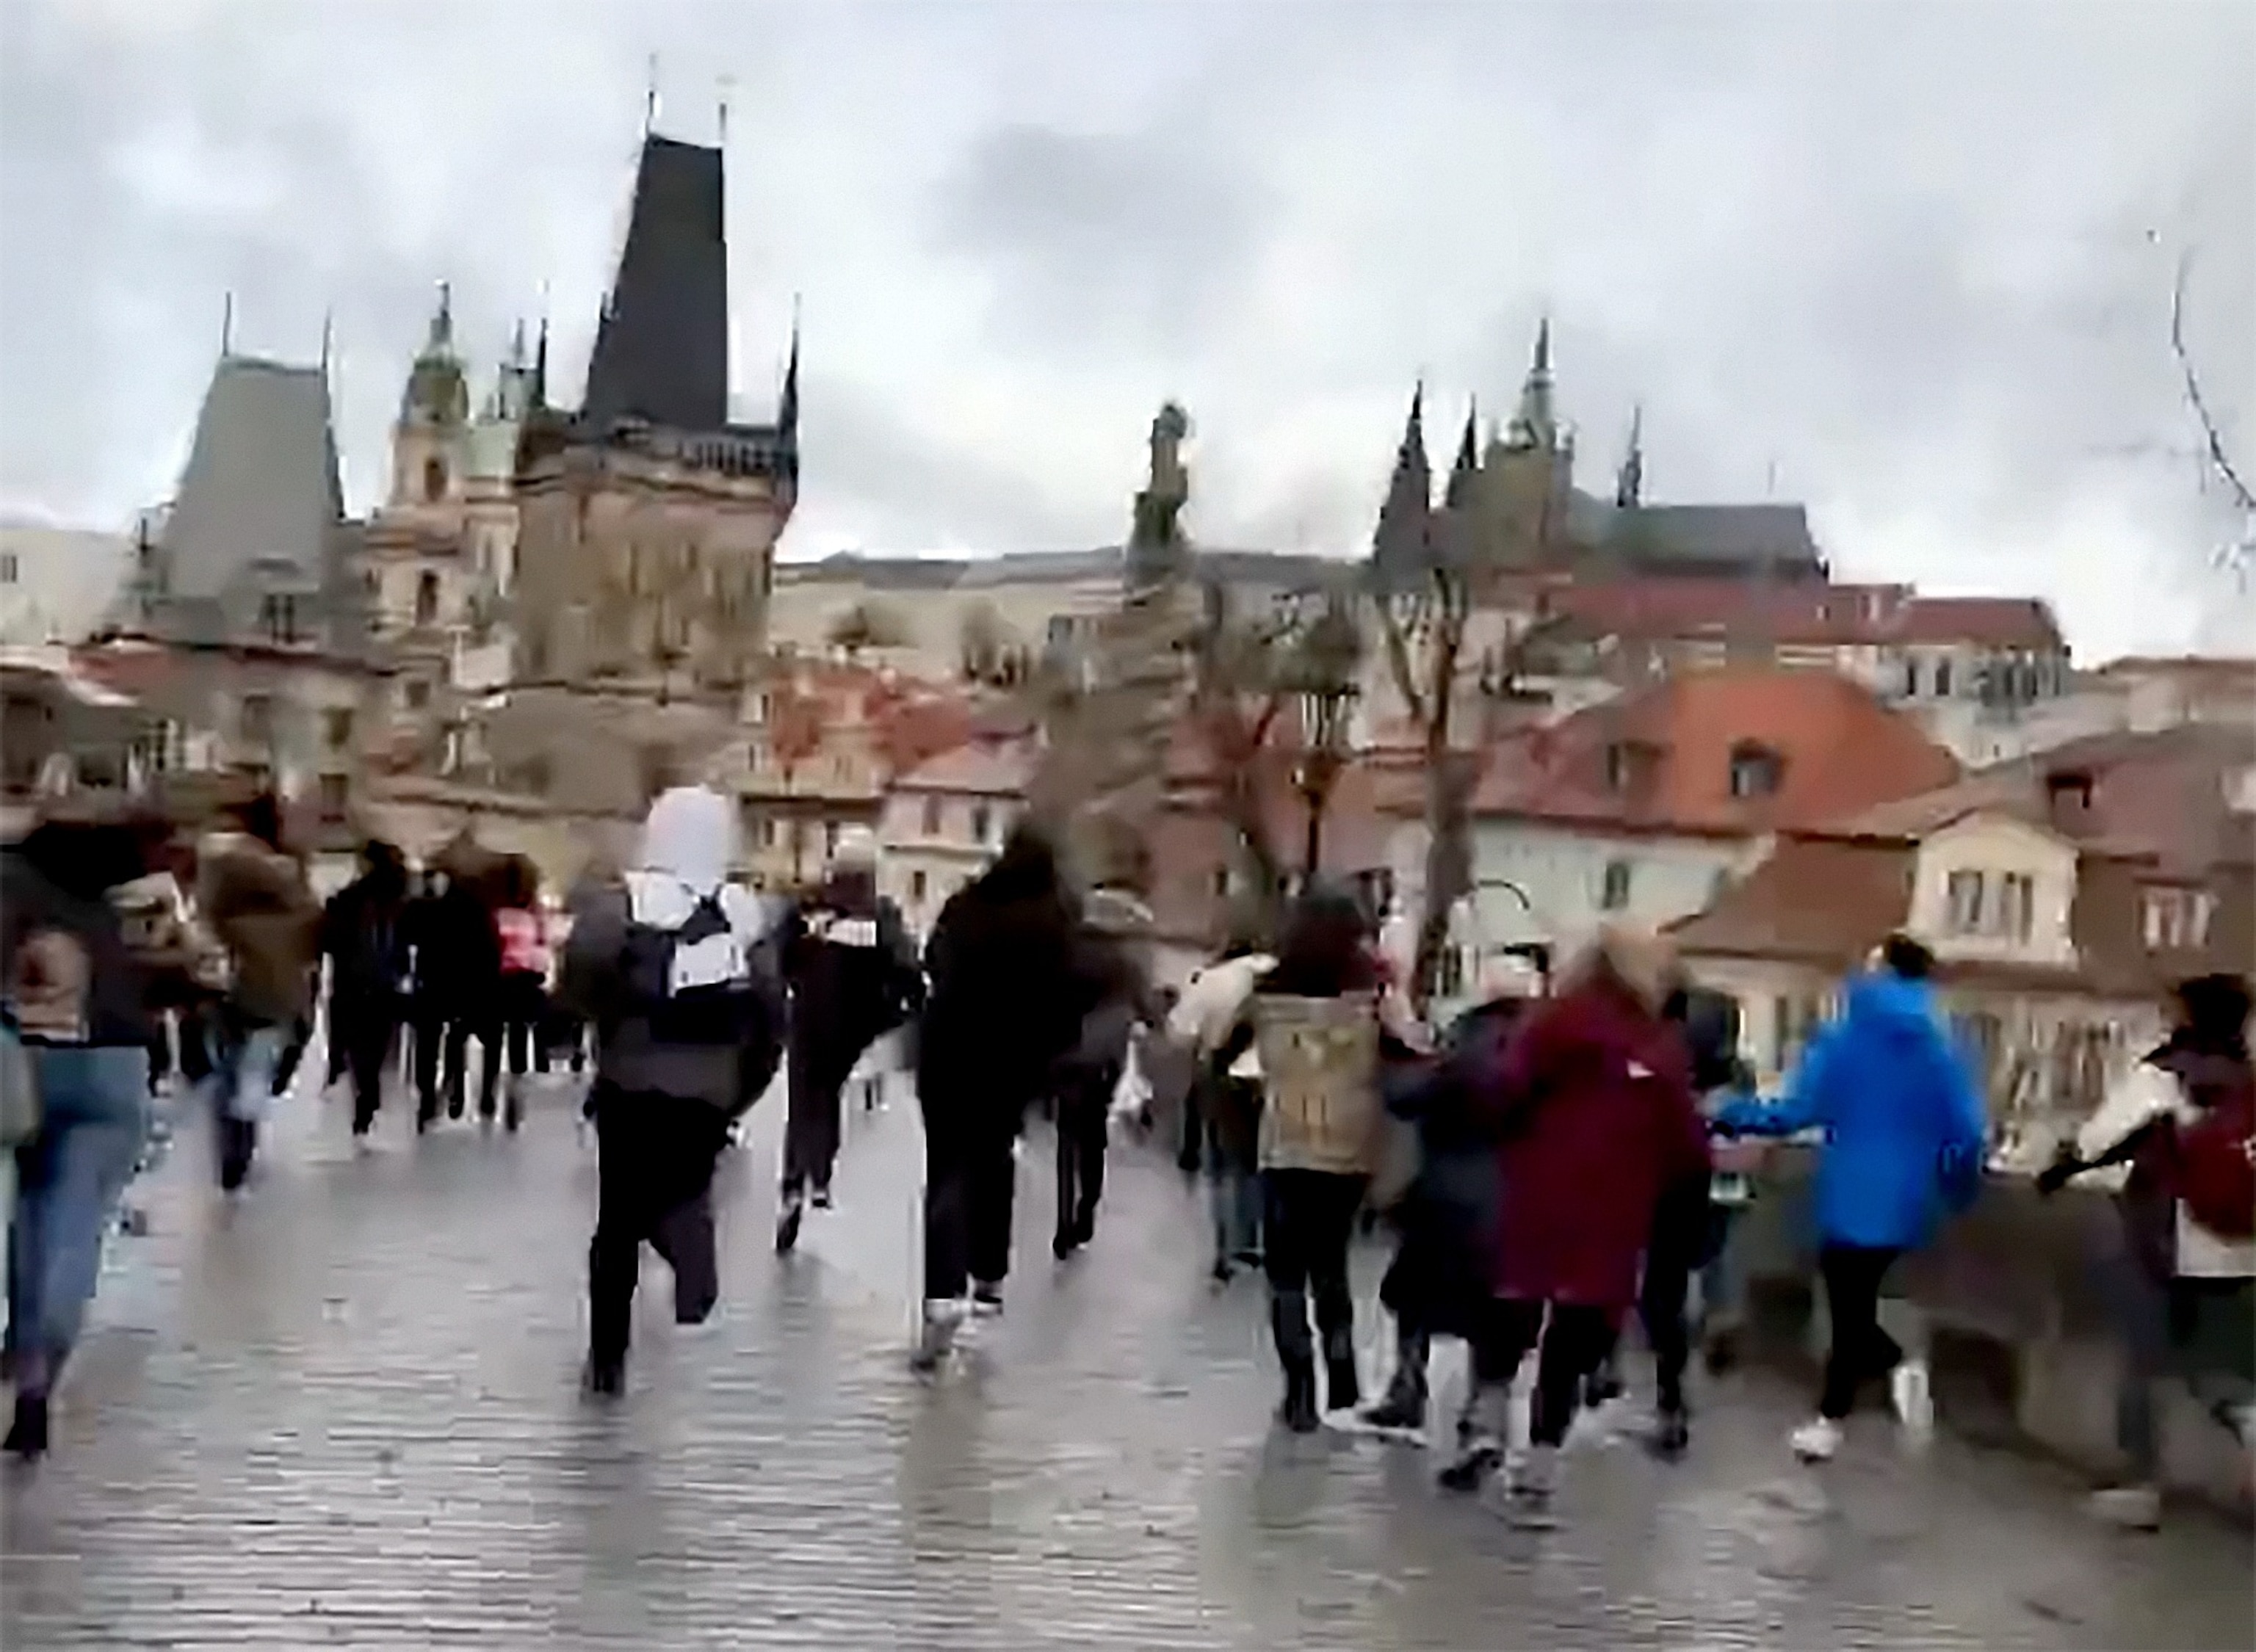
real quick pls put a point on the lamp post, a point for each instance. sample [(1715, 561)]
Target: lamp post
[(1320, 674)]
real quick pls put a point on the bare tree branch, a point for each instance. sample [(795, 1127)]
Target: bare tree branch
[(2219, 459)]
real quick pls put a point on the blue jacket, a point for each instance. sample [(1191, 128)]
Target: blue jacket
[(1904, 1129)]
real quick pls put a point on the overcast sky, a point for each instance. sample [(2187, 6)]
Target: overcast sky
[(1910, 265)]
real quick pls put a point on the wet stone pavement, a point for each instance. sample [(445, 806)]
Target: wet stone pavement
[(346, 1412)]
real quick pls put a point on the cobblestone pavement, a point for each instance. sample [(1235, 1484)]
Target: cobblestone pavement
[(345, 1412)]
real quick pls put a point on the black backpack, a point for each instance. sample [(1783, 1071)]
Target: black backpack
[(698, 984)]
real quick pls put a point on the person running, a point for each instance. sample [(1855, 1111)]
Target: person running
[(854, 977), (1904, 1140), (519, 1028), (76, 999), (1225, 1109), (361, 936), (2187, 1262), (1593, 1106), (1113, 981), (254, 896), (1437, 1284), (1002, 1006), (1315, 1027), (688, 1032)]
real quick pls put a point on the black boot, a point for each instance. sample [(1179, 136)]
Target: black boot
[(1296, 1351), (1403, 1408), (27, 1434), (1672, 1432), (1342, 1383)]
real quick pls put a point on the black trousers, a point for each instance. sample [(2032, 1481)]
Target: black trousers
[(971, 1183), (1861, 1350), (441, 1038), (1084, 1107), (1308, 1217), (361, 1034), (513, 1032), (1574, 1337), (654, 1185), (811, 1123)]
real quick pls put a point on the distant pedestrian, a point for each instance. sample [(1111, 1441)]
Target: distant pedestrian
[(1904, 1141), (518, 1027), (76, 1002), (1112, 980), (854, 977), (1223, 1107), (1593, 1109), (362, 939), (2182, 1121), (1004, 1005), (688, 1034), (254, 894)]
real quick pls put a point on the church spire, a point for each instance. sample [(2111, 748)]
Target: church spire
[(1401, 546), (1534, 424), (788, 405), (1629, 488)]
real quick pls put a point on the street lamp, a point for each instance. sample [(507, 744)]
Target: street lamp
[(1320, 675)]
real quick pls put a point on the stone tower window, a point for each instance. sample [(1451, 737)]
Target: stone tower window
[(435, 479)]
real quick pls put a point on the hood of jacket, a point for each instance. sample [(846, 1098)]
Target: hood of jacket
[(1887, 1006), (691, 837)]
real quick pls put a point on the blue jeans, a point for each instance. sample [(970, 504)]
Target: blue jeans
[(242, 1085), (67, 1181), (1234, 1198)]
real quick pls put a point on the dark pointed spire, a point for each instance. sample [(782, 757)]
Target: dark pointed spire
[(1629, 488), (1456, 535), (539, 393), (1533, 425), (1401, 547), (1466, 470), (1542, 368), (662, 342), (442, 323), (787, 405), (227, 325)]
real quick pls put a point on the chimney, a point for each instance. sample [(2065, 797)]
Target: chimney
[(2067, 800)]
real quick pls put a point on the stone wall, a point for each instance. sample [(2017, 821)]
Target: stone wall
[(2012, 1303)]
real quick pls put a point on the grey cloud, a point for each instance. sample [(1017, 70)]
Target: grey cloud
[(1103, 240)]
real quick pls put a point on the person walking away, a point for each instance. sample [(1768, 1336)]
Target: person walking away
[(1226, 1109), (1438, 1284), (1316, 1032), (254, 896), (76, 1001), (1115, 986), (1002, 1006), (2180, 1123), (688, 1033), (1904, 1137), (521, 994), (854, 977), (1592, 1107), (362, 939)]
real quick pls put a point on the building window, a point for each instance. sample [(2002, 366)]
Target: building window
[(1755, 769), (1964, 891), (2177, 917), (1981, 1036), (418, 691), (981, 817), (335, 792), (1911, 678), (917, 885), (1942, 679), (932, 817), (1613, 892), (1221, 883), (2017, 901), (337, 725), (829, 838), (435, 479), (1616, 768), (257, 721), (427, 599), (7, 569), (278, 617)]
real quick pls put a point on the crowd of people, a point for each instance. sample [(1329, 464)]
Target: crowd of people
[(1567, 1154)]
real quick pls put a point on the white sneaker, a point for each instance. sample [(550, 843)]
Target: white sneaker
[(943, 1318), (1816, 1440), (1912, 1393), (2128, 1507), (1529, 1485)]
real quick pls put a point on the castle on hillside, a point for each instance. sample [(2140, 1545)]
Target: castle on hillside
[(1510, 505)]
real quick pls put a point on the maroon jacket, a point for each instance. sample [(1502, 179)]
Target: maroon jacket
[(1594, 1102)]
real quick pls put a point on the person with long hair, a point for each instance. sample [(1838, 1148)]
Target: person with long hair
[(521, 1000), (77, 999), (1315, 1027), (1592, 1109)]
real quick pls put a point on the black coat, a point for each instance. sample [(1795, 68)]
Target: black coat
[(1439, 1278), (363, 936), (853, 973), (457, 952), (1006, 1000)]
